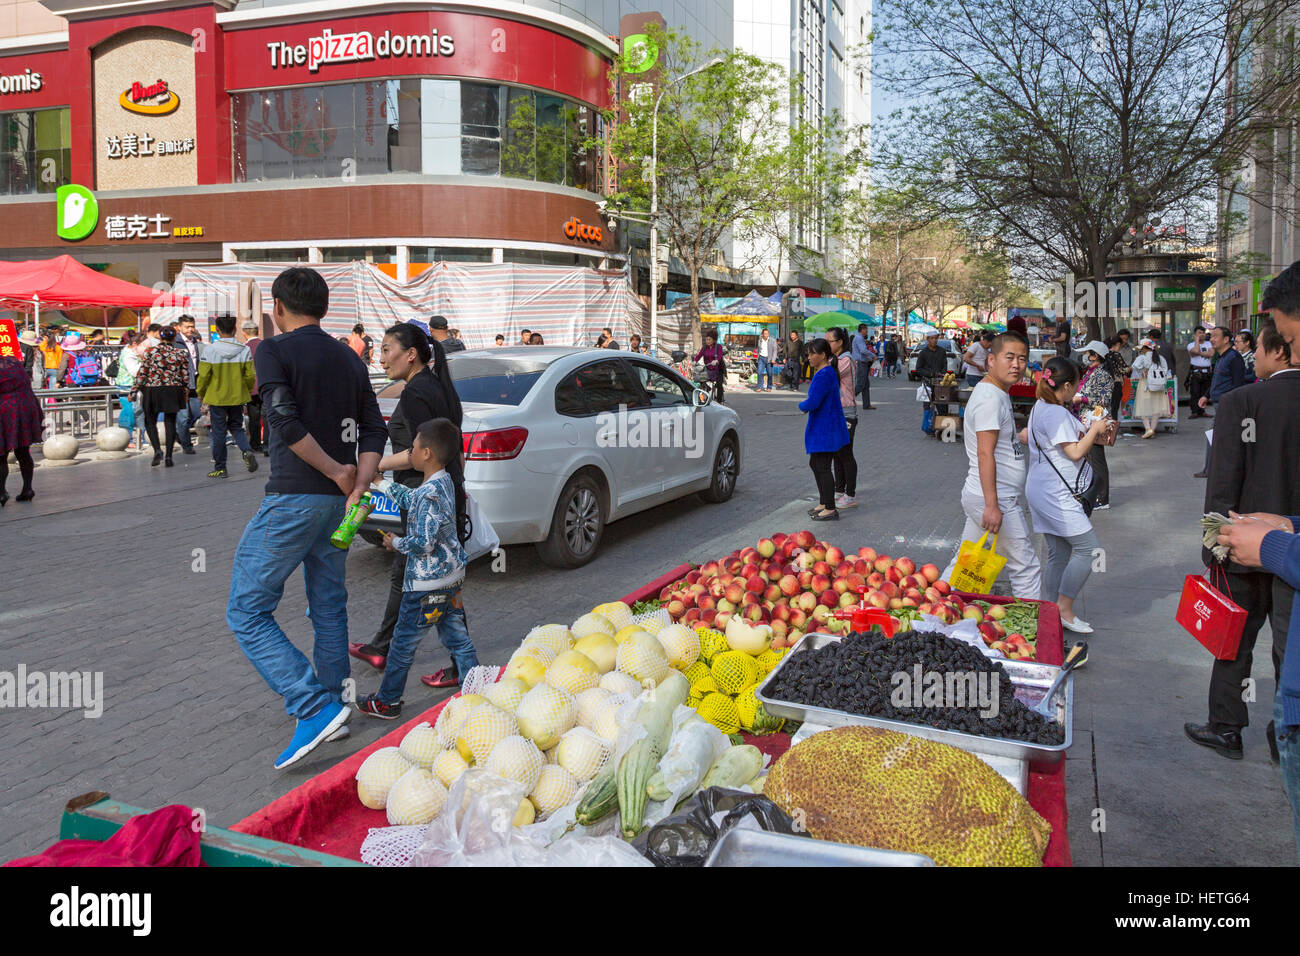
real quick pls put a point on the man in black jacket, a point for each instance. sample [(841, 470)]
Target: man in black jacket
[(932, 361), (1255, 468), (326, 438), (1229, 373)]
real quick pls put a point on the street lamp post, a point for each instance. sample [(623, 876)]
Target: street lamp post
[(654, 201)]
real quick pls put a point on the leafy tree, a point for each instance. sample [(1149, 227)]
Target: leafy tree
[(1059, 125), (729, 155)]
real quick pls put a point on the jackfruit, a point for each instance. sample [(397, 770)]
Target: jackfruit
[(885, 789)]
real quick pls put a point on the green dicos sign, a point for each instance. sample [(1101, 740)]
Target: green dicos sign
[(640, 53), (76, 212)]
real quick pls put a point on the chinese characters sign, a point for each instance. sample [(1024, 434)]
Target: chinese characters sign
[(137, 145), (139, 226), (9, 340)]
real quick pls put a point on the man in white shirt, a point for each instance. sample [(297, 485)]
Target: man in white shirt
[(1200, 353), (993, 496), (766, 359), (975, 358)]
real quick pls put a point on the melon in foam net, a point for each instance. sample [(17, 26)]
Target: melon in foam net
[(378, 773), (415, 798)]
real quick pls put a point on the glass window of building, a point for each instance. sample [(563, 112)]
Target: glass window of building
[(543, 257), (35, 151), (422, 254), (435, 127), (358, 254), (271, 255)]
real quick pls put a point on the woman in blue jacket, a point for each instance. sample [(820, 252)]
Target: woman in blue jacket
[(826, 431)]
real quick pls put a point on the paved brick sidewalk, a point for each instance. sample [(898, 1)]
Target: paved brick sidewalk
[(100, 574)]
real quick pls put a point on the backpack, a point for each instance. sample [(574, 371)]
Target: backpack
[(84, 369), (1157, 375)]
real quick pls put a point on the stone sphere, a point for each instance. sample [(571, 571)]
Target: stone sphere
[(112, 438), (60, 448)]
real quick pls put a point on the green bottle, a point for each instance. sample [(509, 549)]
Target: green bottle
[(352, 522)]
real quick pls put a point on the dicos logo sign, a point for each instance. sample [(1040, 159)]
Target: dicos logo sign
[(76, 212), (576, 229)]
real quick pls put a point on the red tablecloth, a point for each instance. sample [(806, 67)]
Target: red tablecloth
[(324, 813)]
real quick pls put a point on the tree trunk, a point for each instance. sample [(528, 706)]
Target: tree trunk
[(697, 335)]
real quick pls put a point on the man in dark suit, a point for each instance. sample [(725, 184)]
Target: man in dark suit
[(1255, 468)]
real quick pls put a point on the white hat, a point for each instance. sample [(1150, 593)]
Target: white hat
[(72, 342), (1098, 347)]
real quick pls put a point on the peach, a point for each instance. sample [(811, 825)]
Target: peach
[(782, 613), (930, 572), (734, 565), (676, 609), (779, 628), (932, 595), (848, 600), (821, 613), (771, 592), (895, 603), (905, 565), (807, 601), (878, 599), (893, 574), (874, 580), (750, 597), (867, 554), (805, 561), (778, 539), (834, 555), (755, 612), (706, 601), (721, 619), (891, 590), (909, 602), (883, 563), (734, 592), (798, 618), (724, 606), (818, 551), (766, 547), (666, 594), (861, 566), (755, 583), (693, 577), (805, 579), (914, 594), (804, 539), (821, 567), (855, 581), (820, 583), (829, 598), (692, 614), (942, 586), (789, 585), (840, 586), (707, 617), (973, 613)]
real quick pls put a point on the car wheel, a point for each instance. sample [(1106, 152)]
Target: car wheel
[(726, 466), (372, 537), (576, 526)]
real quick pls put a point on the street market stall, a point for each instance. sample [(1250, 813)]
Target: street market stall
[(63, 284), (570, 743)]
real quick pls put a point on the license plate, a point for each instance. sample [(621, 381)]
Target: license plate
[(383, 506)]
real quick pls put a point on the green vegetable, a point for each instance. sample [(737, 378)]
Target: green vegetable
[(641, 759), (600, 799), (655, 789), (737, 766)]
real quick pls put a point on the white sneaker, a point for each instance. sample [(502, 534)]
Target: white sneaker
[(1078, 625), (845, 501), (1101, 507)]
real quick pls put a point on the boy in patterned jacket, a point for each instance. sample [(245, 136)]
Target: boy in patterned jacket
[(435, 568)]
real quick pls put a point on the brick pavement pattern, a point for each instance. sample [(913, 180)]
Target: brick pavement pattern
[(102, 572)]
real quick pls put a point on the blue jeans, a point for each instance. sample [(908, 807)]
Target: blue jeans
[(764, 368), (51, 377), (185, 419), (420, 611), (223, 417), (288, 531), (973, 379), (1288, 748)]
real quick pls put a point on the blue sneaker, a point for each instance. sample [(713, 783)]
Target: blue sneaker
[(311, 732)]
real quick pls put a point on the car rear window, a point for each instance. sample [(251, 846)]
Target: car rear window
[(493, 381)]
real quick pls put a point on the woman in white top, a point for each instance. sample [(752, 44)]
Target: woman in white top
[(1058, 452), (1149, 403)]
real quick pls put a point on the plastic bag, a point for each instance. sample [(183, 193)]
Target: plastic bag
[(977, 567), (477, 829), (695, 744), (685, 838)]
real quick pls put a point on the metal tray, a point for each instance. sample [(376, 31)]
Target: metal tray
[(1031, 681), (765, 848)]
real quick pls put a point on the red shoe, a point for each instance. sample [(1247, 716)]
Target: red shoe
[(377, 661), (440, 679)]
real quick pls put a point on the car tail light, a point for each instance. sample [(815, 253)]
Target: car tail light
[(496, 445)]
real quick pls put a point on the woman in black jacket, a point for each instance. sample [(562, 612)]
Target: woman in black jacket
[(410, 356), (792, 358)]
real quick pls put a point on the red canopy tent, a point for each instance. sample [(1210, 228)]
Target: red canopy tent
[(64, 283)]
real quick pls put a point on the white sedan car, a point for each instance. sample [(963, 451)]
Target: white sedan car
[(561, 441)]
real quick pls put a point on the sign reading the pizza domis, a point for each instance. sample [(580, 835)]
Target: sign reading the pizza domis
[(330, 47)]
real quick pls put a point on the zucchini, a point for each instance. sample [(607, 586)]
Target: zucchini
[(655, 716), (655, 789), (600, 799), (737, 766)]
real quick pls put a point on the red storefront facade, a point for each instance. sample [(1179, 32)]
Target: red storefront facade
[(394, 132)]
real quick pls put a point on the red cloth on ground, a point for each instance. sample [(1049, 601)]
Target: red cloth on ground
[(165, 837)]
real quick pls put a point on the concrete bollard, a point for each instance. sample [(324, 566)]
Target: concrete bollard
[(112, 442), (59, 450)]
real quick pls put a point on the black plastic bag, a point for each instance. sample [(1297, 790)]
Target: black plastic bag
[(686, 837)]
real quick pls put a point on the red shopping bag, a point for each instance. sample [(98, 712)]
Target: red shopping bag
[(1214, 620)]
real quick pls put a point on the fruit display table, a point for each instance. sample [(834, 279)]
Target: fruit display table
[(324, 814)]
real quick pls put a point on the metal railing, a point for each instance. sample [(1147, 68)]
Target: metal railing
[(76, 411)]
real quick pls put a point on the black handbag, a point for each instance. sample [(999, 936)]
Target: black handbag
[(1087, 497)]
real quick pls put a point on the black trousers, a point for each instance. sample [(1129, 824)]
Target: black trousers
[(26, 467), (1264, 598), (1097, 458), (254, 408), (845, 465), (1198, 388), (151, 429), (821, 464)]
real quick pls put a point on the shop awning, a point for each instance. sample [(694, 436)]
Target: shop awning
[(64, 283), (753, 304)]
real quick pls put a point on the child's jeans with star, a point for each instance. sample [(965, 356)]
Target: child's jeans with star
[(420, 611)]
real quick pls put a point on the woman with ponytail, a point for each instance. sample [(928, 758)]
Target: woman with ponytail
[(409, 355), (1058, 471)]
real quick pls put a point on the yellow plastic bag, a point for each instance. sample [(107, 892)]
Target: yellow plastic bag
[(977, 567)]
